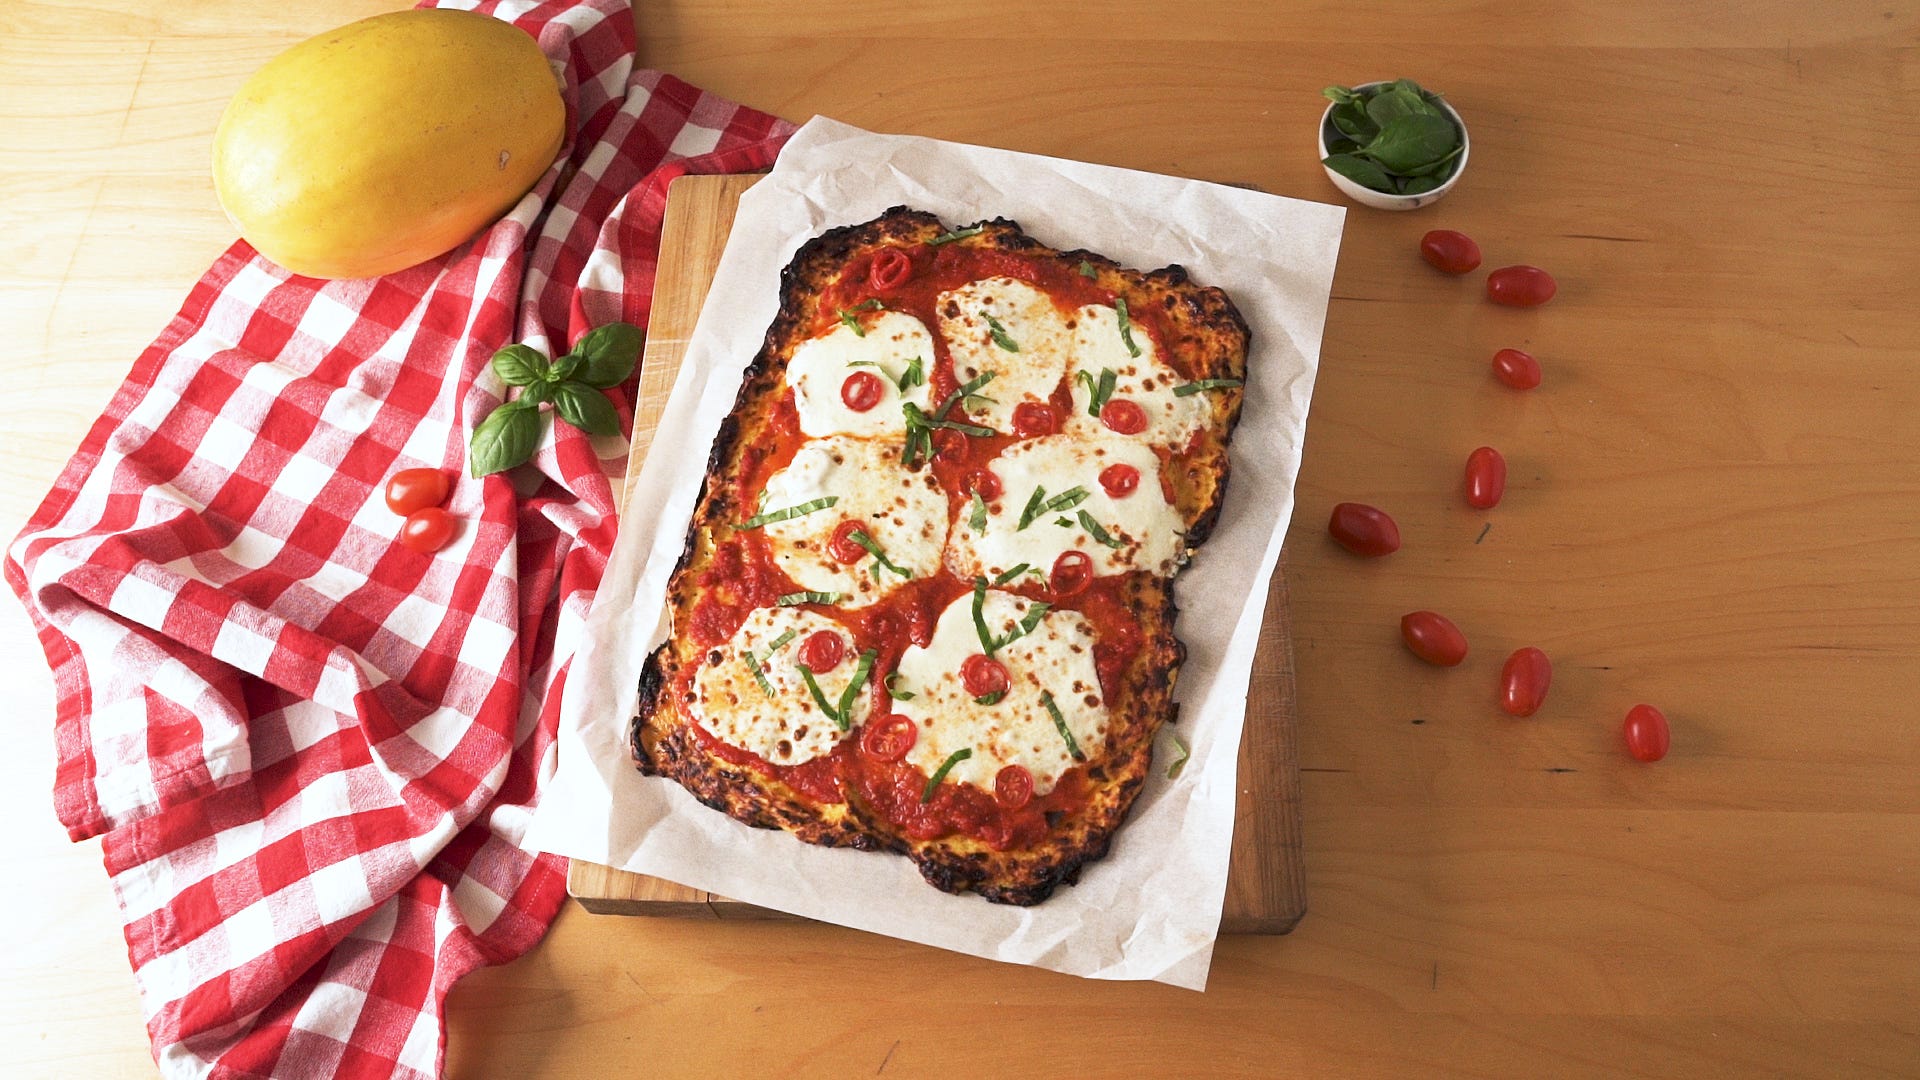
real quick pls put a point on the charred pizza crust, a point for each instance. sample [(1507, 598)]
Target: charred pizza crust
[(1197, 325)]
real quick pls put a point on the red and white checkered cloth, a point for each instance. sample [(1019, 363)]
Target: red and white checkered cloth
[(312, 753)]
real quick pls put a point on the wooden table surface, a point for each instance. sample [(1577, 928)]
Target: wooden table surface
[(1714, 506)]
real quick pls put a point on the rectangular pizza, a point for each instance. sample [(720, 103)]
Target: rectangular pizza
[(926, 603)]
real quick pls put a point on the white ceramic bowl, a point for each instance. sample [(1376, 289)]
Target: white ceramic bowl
[(1381, 200)]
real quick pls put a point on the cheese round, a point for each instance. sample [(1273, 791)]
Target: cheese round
[(888, 344), (1145, 380), (1055, 658), (902, 510), (1027, 320), (785, 727)]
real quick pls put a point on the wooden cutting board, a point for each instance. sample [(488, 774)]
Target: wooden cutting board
[(1266, 889)]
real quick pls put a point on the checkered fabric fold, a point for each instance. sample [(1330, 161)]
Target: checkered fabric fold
[(312, 754)]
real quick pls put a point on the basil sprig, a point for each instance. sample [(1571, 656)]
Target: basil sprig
[(792, 598), (939, 774), (1060, 723), (850, 317), (989, 642), (922, 424), (1126, 328), (880, 560), (786, 513), (956, 234), (1393, 138), (978, 520), (1087, 270), (759, 674), (896, 694), (603, 358), (1038, 503), (999, 334), (1098, 390), (1179, 764), (1099, 532), (1199, 385), (841, 713)]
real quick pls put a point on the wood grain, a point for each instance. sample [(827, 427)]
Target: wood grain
[(1714, 506), (1266, 887)]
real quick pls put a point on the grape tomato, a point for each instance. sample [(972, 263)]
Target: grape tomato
[(1449, 251), (1433, 637), (1521, 286), (1524, 680), (1486, 477), (1364, 530)]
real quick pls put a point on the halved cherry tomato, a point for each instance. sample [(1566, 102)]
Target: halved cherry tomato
[(1124, 416), (1450, 252), (416, 489), (862, 391), (426, 531), (1520, 286), (889, 738), (985, 483), (951, 446), (1524, 679), (1486, 478), (1364, 530), (891, 268), (1013, 787), (1517, 369), (983, 675), (1646, 732), (1433, 637), (1120, 479), (1032, 419), (841, 545), (823, 651), (1072, 573)]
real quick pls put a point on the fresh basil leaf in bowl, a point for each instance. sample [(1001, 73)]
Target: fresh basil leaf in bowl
[(1392, 145)]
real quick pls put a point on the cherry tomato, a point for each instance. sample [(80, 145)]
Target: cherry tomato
[(1450, 252), (951, 446), (426, 531), (1433, 637), (1119, 480), (1032, 419), (841, 545), (823, 651), (1364, 530), (1646, 733), (862, 391), (1486, 478), (985, 483), (1013, 787), (983, 675), (1520, 286), (889, 738), (416, 489), (1072, 573), (1123, 416), (1517, 369), (1524, 679), (891, 268)]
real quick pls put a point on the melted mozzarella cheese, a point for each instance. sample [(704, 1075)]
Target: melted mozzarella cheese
[(1056, 658), (821, 366), (1144, 380), (1029, 321), (785, 727), (1149, 529), (903, 511)]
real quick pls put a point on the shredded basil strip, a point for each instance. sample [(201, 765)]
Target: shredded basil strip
[(967, 390), (1192, 388), (1027, 622), (759, 675), (820, 697), (1100, 534), (999, 334), (939, 774), (1064, 522), (980, 616), (786, 513), (1066, 500), (793, 598), (844, 717), (990, 699), (1098, 390), (978, 521), (1073, 747), (897, 695), (851, 318), (956, 234), (1013, 573), (1180, 763), (859, 536), (1033, 506), (1126, 325), (781, 641), (1086, 269), (915, 375)]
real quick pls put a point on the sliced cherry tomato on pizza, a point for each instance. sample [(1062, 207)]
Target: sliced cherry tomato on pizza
[(889, 737), (1524, 680), (1516, 368), (1433, 637), (1646, 732), (426, 531), (985, 483), (823, 651), (1013, 787), (1072, 573), (862, 391), (1486, 478), (891, 268), (841, 545), (1450, 252), (416, 489), (1124, 416), (1120, 480), (1521, 286), (1364, 530), (951, 446), (1032, 419), (983, 675)]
